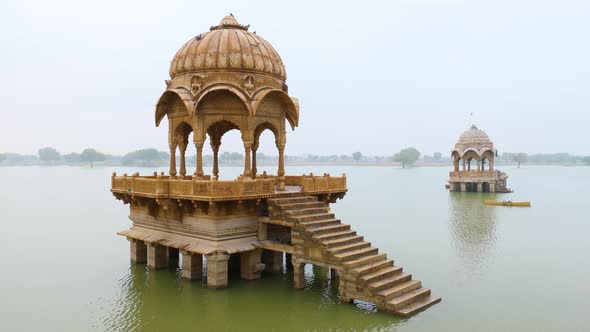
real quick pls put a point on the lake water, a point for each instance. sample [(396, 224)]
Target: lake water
[(496, 268)]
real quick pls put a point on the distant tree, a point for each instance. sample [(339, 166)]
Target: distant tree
[(357, 156), (145, 156), (72, 157), (519, 157), (407, 156), (585, 160), (91, 155), (49, 154), (437, 156)]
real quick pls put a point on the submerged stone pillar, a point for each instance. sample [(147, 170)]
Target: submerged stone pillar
[(138, 251), (192, 265), (250, 265), (157, 256), (217, 269), (479, 187), (463, 187), (273, 261), (298, 275), (492, 187)]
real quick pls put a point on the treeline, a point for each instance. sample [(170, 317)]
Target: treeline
[(153, 157)]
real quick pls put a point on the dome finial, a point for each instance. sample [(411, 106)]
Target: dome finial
[(230, 22)]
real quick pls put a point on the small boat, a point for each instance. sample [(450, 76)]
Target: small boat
[(507, 203)]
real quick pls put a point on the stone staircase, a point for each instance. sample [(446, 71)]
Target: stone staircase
[(365, 274)]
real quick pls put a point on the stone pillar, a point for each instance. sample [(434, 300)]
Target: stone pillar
[(215, 147), (298, 274), (451, 186), (172, 160), (217, 269), (192, 265), (182, 148), (492, 187), (464, 168), (491, 165), (463, 187), (199, 146), (247, 153), (479, 166), (138, 251), (479, 187), (254, 169), (157, 256), (281, 171), (250, 265), (456, 164), (273, 261)]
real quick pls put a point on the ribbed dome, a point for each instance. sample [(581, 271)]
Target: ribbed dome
[(474, 138), (228, 46)]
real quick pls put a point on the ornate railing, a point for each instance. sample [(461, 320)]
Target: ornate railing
[(173, 186)]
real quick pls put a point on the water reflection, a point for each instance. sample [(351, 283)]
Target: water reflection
[(162, 300), (473, 229)]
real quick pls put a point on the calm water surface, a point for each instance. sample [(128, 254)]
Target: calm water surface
[(496, 268)]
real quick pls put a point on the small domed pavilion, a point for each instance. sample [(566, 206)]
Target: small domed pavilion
[(473, 161)]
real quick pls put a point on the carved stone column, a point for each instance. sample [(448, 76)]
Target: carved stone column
[(192, 265), (157, 256), (173, 159), (138, 251), (464, 168), (456, 165), (250, 264), (182, 148), (298, 274), (247, 152), (215, 147), (491, 165), (479, 166), (254, 169), (463, 187), (281, 171), (217, 269), (199, 146)]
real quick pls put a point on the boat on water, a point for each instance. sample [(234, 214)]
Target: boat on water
[(507, 203)]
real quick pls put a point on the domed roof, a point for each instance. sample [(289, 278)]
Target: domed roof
[(474, 138), (228, 46)]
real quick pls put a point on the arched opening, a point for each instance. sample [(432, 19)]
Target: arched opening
[(228, 132), (181, 140), (264, 133)]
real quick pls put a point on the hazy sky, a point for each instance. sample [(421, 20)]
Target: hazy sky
[(371, 76)]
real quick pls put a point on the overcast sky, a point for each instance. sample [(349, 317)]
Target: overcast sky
[(371, 76)]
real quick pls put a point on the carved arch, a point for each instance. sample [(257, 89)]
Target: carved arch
[(290, 104), (169, 100), (222, 87)]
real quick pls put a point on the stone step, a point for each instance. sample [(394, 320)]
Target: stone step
[(349, 246), (312, 217), (400, 289), (373, 267), (322, 222), (417, 306), (334, 236), (307, 210), (365, 260), (409, 297), (301, 205), (381, 274), (357, 254), (333, 228), (389, 282), (291, 199), (340, 241)]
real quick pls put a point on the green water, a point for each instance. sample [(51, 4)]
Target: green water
[(496, 268)]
